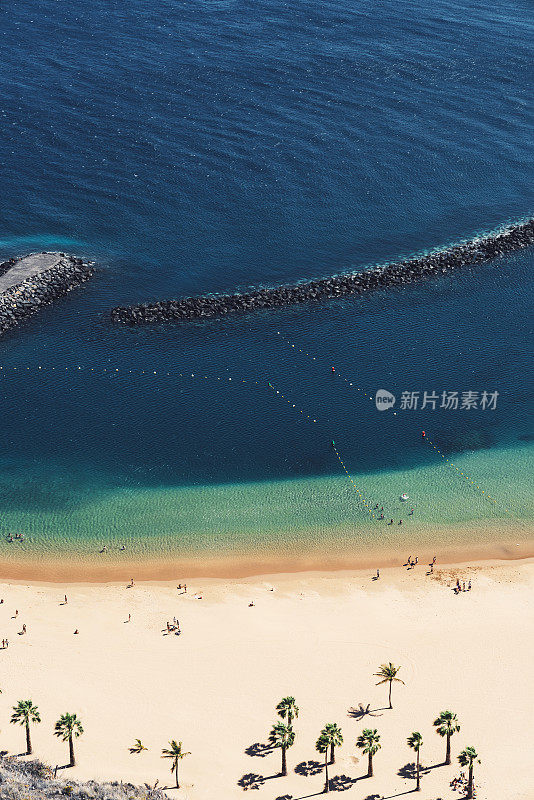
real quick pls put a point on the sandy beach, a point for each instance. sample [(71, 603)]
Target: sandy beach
[(317, 636)]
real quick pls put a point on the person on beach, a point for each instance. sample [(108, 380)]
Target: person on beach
[(377, 574), (24, 628), (381, 516), (16, 613), (66, 601), (416, 560), (104, 549), (469, 586), (431, 568), (76, 631), (390, 522), (411, 513), (434, 560), (400, 522), (129, 617)]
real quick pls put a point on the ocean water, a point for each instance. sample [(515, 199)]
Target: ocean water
[(195, 147)]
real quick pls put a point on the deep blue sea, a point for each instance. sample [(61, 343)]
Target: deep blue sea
[(192, 147)]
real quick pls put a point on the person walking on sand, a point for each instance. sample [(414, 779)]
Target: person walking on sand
[(469, 586), (24, 628), (66, 601), (16, 612), (431, 568), (129, 617), (377, 574)]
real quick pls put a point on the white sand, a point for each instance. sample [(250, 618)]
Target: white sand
[(318, 637)]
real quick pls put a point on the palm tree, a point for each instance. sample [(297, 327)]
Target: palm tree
[(447, 725), (69, 727), (333, 732), (24, 713), (287, 708), (322, 745), (175, 752), (467, 758), (282, 736), (138, 747), (415, 741), (388, 674), (369, 743)]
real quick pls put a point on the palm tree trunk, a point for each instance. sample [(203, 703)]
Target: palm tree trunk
[(370, 766), (332, 754), (326, 782), (390, 694), (284, 763), (28, 740), (448, 753), (176, 770), (470, 783), (72, 762), (418, 784)]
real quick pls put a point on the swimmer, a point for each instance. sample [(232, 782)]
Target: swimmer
[(400, 522), (390, 522), (333, 369), (411, 513), (423, 435)]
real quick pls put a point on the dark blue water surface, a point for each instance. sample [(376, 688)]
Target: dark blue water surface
[(203, 146)]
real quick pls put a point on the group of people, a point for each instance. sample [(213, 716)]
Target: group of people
[(174, 627), (462, 588), (12, 537), (460, 784)]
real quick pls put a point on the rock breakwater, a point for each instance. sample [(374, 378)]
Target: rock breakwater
[(30, 283), (422, 267)]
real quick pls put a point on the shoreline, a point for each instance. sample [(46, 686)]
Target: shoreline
[(165, 569)]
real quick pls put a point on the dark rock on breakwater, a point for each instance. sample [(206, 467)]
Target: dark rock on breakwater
[(400, 273), (27, 284)]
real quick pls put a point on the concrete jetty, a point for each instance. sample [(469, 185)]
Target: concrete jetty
[(29, 283)]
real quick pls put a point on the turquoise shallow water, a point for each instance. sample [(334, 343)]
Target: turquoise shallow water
[(193, 147)]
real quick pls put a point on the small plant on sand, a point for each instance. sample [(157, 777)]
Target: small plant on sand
[(137, 747), (387, 674), (322, 745), (25, 713), (288, 709), (467, 758), (369, 744), (415, 741), (333, 733), (175, 752), (68, 727), (447, 725), (282, 736)]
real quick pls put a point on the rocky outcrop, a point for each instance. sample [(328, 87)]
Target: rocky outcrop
[(28, 284), (416, 269)]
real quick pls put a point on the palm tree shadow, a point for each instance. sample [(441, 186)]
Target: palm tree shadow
[(363, 711), (340, 783), (259, 750), (410, 770), (307, 768), (251, 780)]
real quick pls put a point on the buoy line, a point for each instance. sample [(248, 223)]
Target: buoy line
[(472, 482)]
